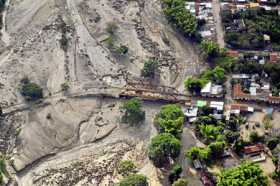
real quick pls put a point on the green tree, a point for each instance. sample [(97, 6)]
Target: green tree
[(175, 173), (163, 147), (194, 85), (210, 132), (170, 119), (134, 180), (246, 173), (132, 111), (197, 153), (178, 15), (126, 167), (181, 182), (150, 68), (31, 91), (210, 49), (216, 149)]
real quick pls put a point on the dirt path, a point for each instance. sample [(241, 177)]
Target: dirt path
[(219, 27), (188, 141)]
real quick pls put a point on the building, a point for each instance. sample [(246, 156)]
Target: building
[(212, 90), (191, 113), (238, 94), (217, 105), (255, 153), (241, 108)]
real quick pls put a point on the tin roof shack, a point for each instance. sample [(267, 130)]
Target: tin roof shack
[(255, 153), (191, 113), (212, 90)]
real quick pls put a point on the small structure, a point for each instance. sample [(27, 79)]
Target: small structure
[(201, 103), (197, 164)]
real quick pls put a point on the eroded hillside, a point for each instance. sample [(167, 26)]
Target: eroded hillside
[(74, 137)]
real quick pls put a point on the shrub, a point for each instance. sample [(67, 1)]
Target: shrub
[(150, 68), (180, 182), (255, 137), (31, 91), (112, 28), (132, 112), (65, 86), (210, 49), (126, 167), (163, 147), (272, 143), (134, 180), (122, 50)]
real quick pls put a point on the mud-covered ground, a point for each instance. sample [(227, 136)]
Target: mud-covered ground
[(70, 140)]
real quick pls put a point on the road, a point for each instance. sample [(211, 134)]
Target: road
[(188, 141), (216, 7)]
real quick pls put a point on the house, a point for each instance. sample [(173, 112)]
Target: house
[(217, 105), (240, 108), (255, 152), (258, 148), (233, 53), (212, 90)]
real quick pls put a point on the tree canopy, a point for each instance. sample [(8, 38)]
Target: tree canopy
[(126, 167), (31, 91), (178, 15), (210, 49), (246, 173), (197, 153), (170, 119), (132, 111), (163, 147)]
